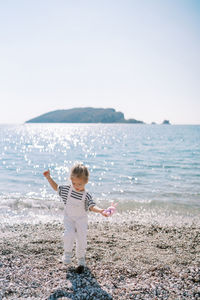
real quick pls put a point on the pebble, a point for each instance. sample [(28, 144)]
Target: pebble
[(136, 269)]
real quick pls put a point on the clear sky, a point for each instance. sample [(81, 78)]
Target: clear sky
[(141, 57)]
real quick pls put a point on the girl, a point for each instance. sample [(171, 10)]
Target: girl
[(77, 202)]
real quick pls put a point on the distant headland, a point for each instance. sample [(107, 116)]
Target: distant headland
[(86, 115)]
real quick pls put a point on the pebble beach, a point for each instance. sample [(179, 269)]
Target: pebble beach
[(125, 260)]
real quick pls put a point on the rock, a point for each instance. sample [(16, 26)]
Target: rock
[(166, 122)]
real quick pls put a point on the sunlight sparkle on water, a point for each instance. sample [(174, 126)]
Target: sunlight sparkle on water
[(136, 164)]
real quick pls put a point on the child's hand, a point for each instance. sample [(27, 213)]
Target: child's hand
[(104, 213), (46, 173), (110, 210)]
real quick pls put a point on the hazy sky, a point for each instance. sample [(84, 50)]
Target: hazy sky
[(141, 57)]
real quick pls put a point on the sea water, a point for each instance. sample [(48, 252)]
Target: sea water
[(148, 167)]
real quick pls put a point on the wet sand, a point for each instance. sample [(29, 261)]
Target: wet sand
[(126, 260)]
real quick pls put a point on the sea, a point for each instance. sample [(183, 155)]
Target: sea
[(150, 171)]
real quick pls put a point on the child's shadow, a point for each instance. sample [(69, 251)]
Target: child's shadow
[(81, 286)]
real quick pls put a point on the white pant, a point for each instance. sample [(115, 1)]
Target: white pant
[(75, 229)]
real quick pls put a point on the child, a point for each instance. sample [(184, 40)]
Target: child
[(77, 202)]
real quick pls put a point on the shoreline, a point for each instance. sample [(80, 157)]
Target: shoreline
[(139, 215), (125, 260)]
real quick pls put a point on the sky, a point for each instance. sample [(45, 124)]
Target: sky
[(141, 57)]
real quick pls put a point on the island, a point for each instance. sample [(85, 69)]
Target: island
[(166, 122), (84, 115)]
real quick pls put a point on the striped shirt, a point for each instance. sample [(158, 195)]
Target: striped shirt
[(63, 191)]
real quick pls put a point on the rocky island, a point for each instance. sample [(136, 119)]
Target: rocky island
[(84, 115), (166, 122)]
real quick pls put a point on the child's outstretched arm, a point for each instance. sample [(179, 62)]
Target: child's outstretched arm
[(96, 209), (52, 183)]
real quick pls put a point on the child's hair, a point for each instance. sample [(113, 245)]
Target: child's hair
[(80, 171)]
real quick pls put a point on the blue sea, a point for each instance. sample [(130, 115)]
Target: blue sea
[(149, 168)]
